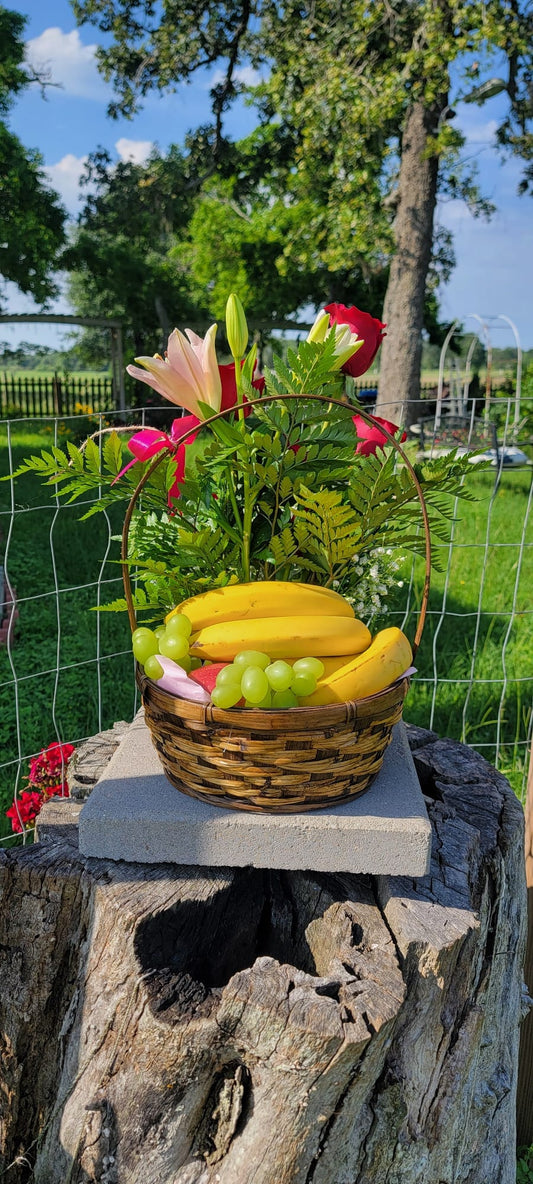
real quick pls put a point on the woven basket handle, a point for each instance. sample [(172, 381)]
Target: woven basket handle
[(369, 419)]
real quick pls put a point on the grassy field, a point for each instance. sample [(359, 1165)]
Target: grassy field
[(490, 576), (491, 569), (427, 376), (78, 550)]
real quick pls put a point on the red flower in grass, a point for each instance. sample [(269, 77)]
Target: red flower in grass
[(24, 810), (60, 790), (44, 769), (46, 779)]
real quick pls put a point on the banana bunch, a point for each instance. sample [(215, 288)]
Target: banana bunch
[(263, 598), (292, 620), (389, 656)]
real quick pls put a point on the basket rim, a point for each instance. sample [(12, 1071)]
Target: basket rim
[(287, 718)]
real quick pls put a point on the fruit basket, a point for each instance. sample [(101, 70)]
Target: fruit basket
[(279, 494), (282, 761)]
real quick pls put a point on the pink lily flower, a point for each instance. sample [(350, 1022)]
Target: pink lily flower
[(149, 441), (188, 375)]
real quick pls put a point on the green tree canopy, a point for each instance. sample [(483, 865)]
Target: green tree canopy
[(356, 119), (31, 217), (119, 254)]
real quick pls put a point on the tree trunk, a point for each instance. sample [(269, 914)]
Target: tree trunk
[(403, 310), (172, 1025), (525, 1078)]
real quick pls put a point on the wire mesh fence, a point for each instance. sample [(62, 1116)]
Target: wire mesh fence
[(66, 672)]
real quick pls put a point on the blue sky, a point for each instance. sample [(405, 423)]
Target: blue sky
[(494, 259)]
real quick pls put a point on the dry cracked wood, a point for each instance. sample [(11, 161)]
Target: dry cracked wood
[(171, 1026)]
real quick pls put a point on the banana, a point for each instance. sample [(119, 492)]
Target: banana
[(262, 598), (380, 665), (331, 665), (281, 637)]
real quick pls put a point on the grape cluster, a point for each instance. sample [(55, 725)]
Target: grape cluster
[(252, 676), (171, 639)]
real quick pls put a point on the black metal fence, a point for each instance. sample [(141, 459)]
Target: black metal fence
[(35, 395)]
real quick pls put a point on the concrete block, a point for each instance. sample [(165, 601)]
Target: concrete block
[(135, 814)]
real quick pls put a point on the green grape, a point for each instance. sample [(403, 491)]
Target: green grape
[(160, 632), (144, 644), (265, 703), (309, 666), (254, 684), (279, 675), (284, 699), (174, 647), (179, 626), (229, 677), (195, 663), (303, 684), (186, 664), (153, 668), (248, 658), (225, 697), (140, 632)]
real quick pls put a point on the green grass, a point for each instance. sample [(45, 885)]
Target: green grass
[(79, 548), (455, 637)]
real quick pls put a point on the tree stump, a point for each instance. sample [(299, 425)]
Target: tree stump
[(170, 1025)]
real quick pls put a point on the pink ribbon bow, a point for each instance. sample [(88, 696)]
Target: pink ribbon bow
[(148, 442)]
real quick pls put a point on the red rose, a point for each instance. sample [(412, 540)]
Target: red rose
[(370, 436), (367, 327), (24, 810)]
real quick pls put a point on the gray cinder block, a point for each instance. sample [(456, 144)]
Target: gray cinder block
[(135, 814)]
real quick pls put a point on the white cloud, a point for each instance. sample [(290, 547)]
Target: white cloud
[(482, 133), (64, 177), (248, 75), (136, 150), (71, 63)]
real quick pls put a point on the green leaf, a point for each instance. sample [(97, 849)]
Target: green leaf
[(75, 456), (206, 410), (92, 457), (112, 454)]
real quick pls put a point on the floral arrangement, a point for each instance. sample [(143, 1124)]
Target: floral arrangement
[(288, 484), (46, 779)]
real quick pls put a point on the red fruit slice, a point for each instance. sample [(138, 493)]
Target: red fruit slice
[(206, 676)]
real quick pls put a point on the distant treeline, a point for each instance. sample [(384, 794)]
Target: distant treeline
[(502, 359), (28, 356)]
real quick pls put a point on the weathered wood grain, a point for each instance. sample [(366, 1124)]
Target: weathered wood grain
[(166, 1025), (524, 1110)]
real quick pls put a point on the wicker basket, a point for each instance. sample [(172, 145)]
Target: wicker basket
[(282, 761)]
